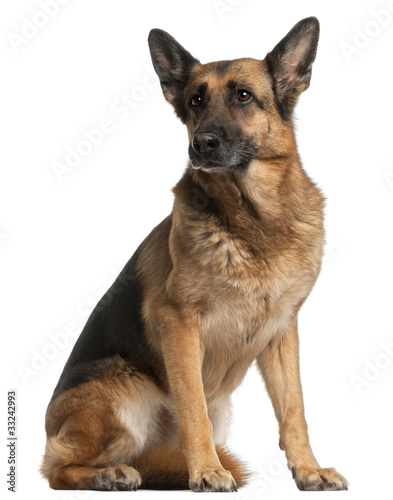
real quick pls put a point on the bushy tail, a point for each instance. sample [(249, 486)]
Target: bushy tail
[(165, 468)]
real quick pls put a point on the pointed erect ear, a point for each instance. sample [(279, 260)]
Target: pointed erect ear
[(173, 65), (290, 63)]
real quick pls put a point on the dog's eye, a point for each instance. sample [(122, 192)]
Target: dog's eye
[(243, 95), (196, 100)]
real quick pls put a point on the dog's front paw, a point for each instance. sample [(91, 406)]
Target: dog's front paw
[(213, 480), (318, 479)]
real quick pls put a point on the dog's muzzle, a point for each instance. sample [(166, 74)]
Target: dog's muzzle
[(214, 151), (209, 152)]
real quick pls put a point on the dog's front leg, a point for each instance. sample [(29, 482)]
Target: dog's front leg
[(183, 355), (279, 365)]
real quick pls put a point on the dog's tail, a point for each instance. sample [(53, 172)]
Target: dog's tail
[(165, 468)]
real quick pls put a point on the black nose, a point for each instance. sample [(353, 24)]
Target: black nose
[(205, 144)]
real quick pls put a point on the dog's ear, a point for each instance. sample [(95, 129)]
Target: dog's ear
[(172, 64), (290, 63)]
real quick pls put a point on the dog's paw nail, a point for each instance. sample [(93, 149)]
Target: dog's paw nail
[(321, 486), (293, 472)]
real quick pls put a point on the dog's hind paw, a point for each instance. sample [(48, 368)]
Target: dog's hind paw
[(120, 478)]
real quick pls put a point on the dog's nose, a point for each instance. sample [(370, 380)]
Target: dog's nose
[(205, 143)]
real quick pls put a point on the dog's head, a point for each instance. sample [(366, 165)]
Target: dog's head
[(237, 110)]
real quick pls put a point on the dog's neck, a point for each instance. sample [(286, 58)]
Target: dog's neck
[(264, 192), (264, 207)]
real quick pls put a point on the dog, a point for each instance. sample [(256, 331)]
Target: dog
[(144, 398)]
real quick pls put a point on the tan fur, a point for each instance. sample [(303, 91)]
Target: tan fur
[(165, 467), (217, 294)]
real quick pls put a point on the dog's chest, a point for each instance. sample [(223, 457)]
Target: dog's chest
[(249, 299), (235, 329)]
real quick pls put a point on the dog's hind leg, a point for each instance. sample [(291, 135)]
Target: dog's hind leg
[(95, 431), (80, 477)]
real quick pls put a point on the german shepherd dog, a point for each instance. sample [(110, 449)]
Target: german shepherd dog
[(144, 399)]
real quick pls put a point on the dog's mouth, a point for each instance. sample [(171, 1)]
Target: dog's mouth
[(212, 167)]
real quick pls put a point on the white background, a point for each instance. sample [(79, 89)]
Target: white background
[(63, 241)]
